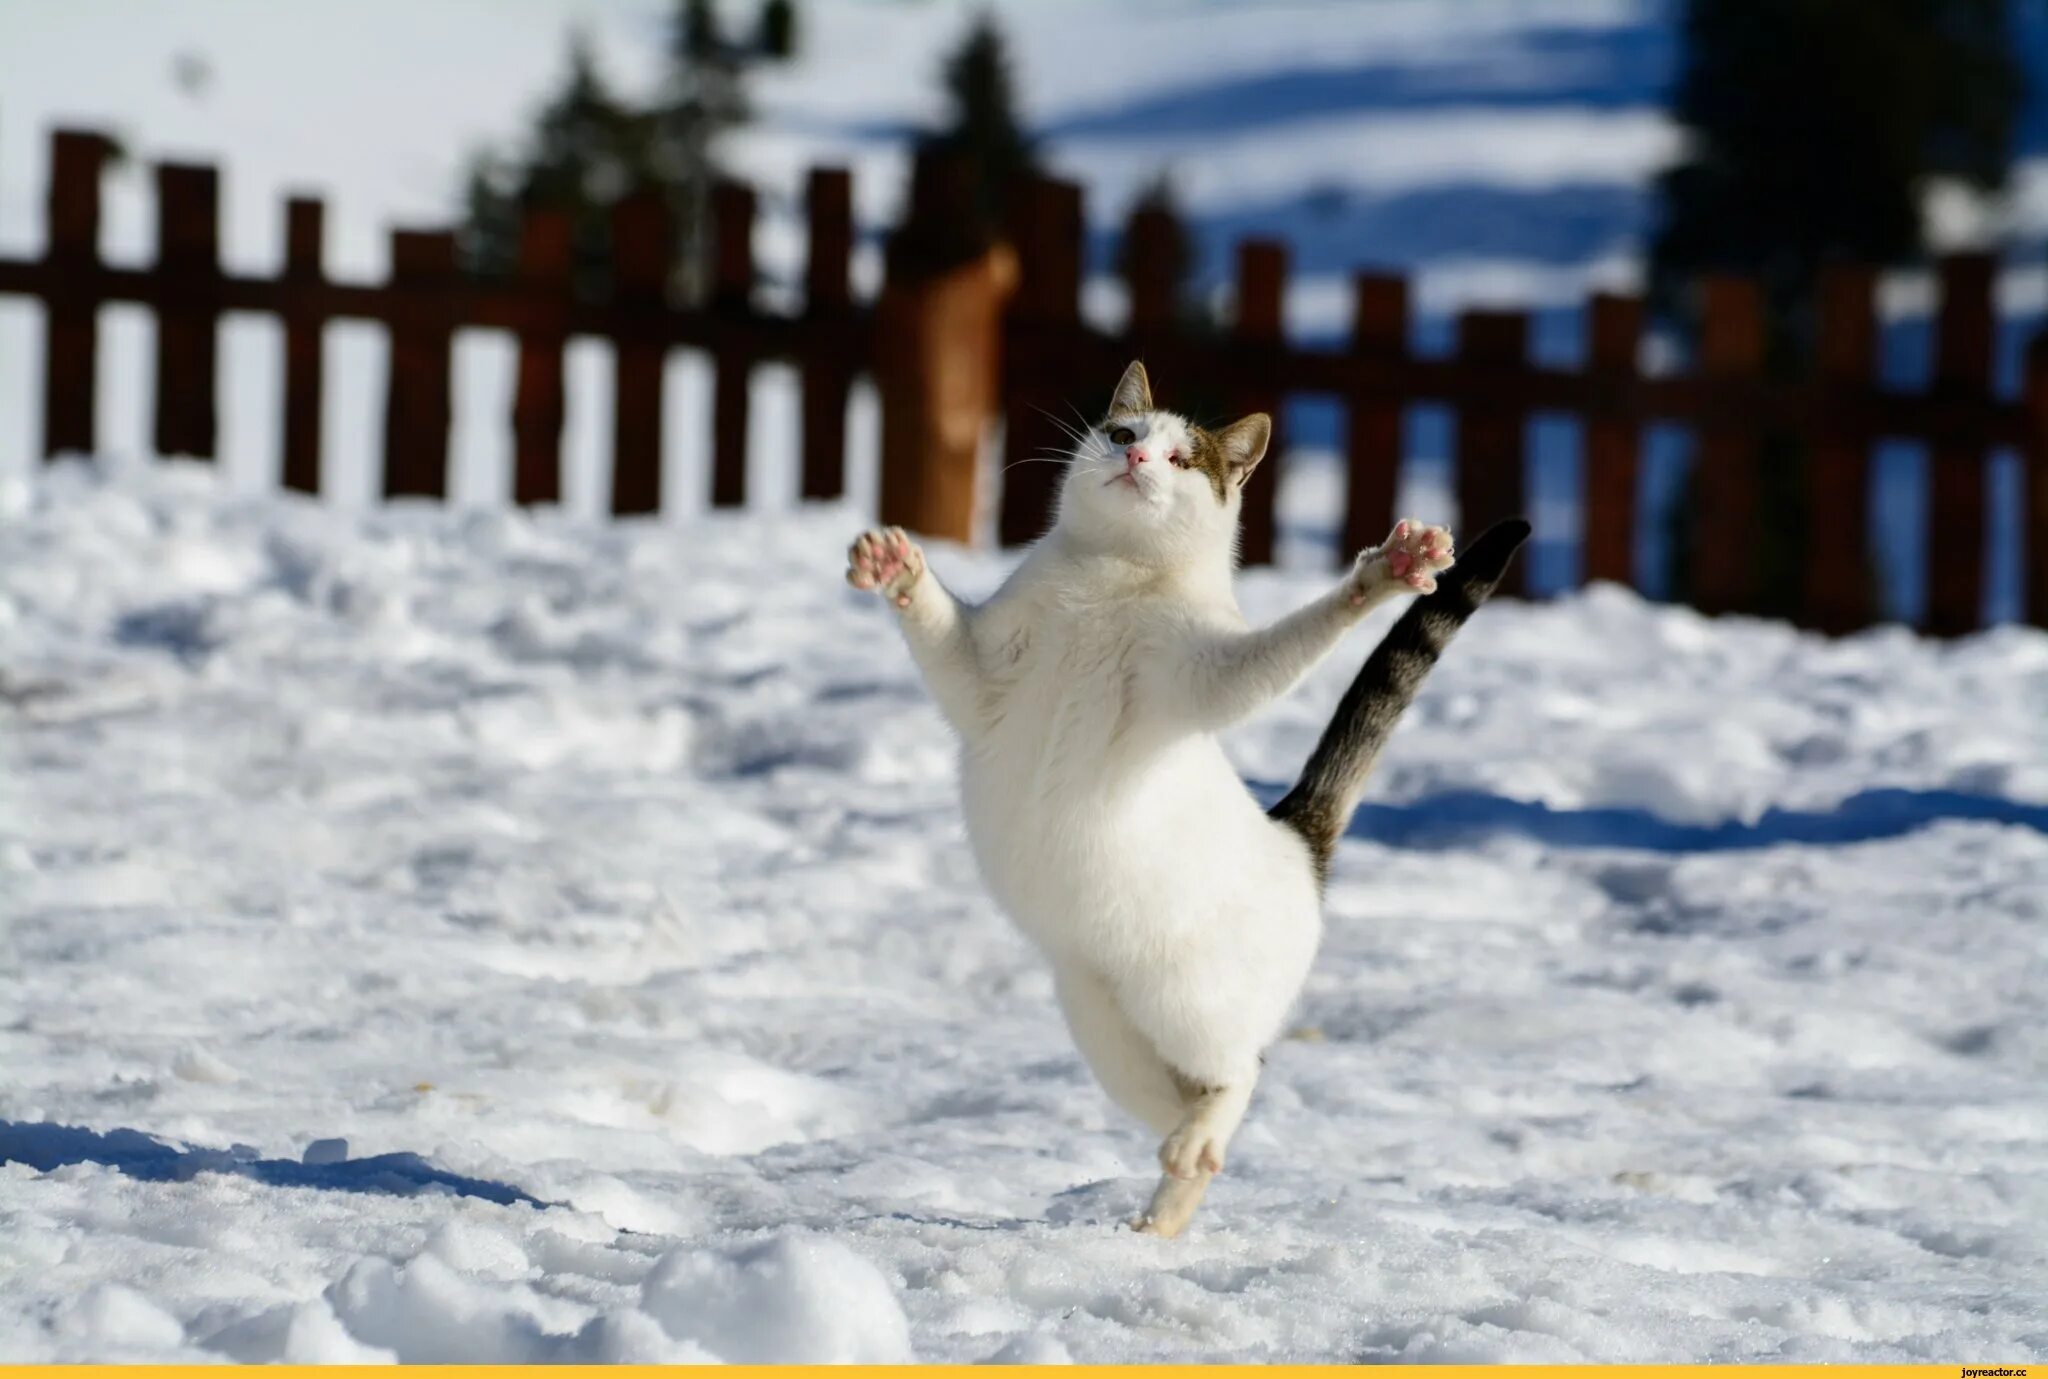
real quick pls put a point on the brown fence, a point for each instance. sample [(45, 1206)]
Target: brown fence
[(958, 328)]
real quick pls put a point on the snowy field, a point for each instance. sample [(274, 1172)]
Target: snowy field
[(602, 889)]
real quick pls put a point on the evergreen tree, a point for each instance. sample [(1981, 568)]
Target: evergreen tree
[(777, 34), (983, 123), (1814, 129), (589, 147)]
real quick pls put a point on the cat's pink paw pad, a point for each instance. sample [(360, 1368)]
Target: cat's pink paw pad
[(885, 559), (1416, 552)]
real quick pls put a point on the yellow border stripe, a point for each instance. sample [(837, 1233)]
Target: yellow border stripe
[(1104, 1371)]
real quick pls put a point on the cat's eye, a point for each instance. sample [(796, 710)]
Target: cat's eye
[(1123, 435), (1178, 460)]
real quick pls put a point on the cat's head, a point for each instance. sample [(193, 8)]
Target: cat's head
[(1155, 485)]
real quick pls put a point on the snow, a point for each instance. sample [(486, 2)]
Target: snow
[(440, 935)]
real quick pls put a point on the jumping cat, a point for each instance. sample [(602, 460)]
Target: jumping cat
[(1180, 918)]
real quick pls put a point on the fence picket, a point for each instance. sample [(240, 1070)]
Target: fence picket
[(1491, 430), (71, 305), (305, 330), (641, 254), (1955, 481), (1724, 534), (1837, 593), (1261, 288), (540, 403), (1372, 437), (187, 335), (1039, 375), (732, 232), (1613, 440), (827, 372), (417, 403)]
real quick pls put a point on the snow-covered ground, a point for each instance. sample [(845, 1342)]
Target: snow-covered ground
[(602, 888)]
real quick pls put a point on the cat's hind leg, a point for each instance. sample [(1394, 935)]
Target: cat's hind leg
[(1192, 1153), (1122, 1059)]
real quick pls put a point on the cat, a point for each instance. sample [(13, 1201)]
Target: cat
[(1180, 919)]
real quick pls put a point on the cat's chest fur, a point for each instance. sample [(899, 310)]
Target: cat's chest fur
[(1083, 803)]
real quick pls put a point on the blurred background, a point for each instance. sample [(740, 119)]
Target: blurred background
[(1514, 154)]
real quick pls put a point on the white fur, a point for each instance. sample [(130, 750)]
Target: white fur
[(1180, 921)]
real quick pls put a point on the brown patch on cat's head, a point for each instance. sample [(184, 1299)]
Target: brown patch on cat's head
[(1229, 456)]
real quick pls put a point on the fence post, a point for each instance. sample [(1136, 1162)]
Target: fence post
[(2035, 459), (304, 343), (641, 253), (1153, 245), (1372, 439), (188, 260), (71, 317), (1614, 328), (1491, 435), (1046, 229), (1836, 598), (732, 285), (1725, 471), (540, 403), (1955, 480), (1261, 285), (416, 403), (938, 350), (827, 303)]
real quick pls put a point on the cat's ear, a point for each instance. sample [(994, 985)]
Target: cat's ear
[(1243, 444), (1133, 392)]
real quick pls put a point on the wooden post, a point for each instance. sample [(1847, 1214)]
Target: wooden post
[(1491, 436), (1614, 328), (304, 348), (827, 376), (540, 404), (1372, 439), (732, 285), (71, 316), (1261, 285), (641, 254), (1152, 246), (1725, 470), (416, 408), (938, 350), (188, 260), (2035, 459), (1962, 373), (1836, 597), (1046, 230)]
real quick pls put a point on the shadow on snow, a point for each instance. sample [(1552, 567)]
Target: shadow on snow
[(1457, 818), (44, 1146)]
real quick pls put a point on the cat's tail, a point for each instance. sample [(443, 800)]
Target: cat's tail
[(1320, 804)]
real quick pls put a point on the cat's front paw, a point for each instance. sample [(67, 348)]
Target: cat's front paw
[(1413, 554), (885, 559)]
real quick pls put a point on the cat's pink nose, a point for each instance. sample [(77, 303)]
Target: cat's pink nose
[(1134, 456)]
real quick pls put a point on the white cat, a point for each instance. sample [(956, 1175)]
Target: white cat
[(1179, 917)]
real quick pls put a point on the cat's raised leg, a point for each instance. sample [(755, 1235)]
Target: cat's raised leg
[(1223, 679), (934, 623)]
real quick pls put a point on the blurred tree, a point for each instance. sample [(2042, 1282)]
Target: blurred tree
[(590, 146), (983, 123), (1815, 128), (587, 148), (778, 30)]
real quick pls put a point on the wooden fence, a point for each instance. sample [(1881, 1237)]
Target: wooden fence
[(961, 332)]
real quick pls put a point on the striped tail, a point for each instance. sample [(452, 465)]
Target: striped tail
[(1320, 804)]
